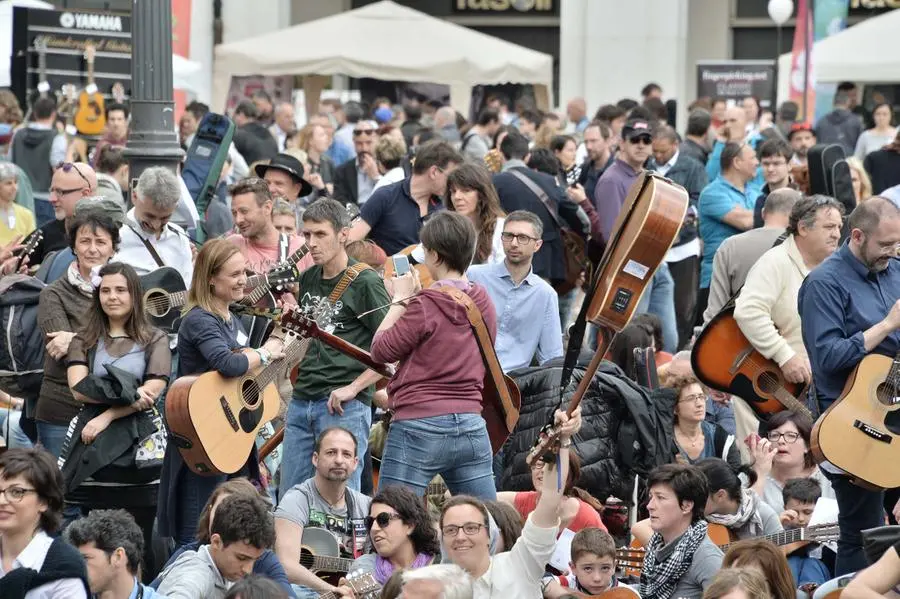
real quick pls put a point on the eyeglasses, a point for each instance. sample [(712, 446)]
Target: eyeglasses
[(383, 519), (520, 237), (15, 494), (470, 528), (789, 437), (697, 397), (71, 166), (64, 192), (358, 132)]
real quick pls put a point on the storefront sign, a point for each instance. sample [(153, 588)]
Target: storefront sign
[(866, 8), (534, 7), (737, 79)]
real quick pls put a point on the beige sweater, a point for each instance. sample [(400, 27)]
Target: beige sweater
[(766, 309)]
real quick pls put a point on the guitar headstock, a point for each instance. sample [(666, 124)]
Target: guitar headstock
[(282, 274), (298, 255), (296, 321), (822, 533), (70, 92), (118, 92), (40, 44), (363, 585)]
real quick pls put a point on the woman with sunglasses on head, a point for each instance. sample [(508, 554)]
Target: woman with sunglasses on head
[(64, 308), (117, 334), (471, 193), (401, 532), (784, 454), (32, 563), (209, 338), (695, 438)]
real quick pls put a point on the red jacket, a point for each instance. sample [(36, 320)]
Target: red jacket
[(441, 370)]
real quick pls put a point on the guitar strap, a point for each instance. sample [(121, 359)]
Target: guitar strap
[(493, 370), (283, 244), (349, 276), (781, 239), (148, 245)]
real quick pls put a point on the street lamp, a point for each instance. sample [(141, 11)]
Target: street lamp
[(779, 11)]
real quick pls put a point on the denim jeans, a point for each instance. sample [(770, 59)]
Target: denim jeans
[(456, 446), (304, 422), (11, 431), (52, 436), (659, 299), (858, 510), (193, 493)]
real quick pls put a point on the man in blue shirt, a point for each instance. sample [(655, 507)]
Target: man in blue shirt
[(850, 308), (394, 214), (725, 209), (527, 306), (734, 131)]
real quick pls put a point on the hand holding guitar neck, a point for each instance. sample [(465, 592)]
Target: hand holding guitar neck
[(556, 435)]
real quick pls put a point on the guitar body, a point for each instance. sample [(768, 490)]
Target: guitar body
[(860, 432), (500, 423), (90, 114), (214, 420), (424, 276), (644, 231), (320, 553), (725, 360), (159, 306)]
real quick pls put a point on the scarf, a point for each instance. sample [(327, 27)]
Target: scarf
[(79, 282), (384, 568), (659, 578), (747, 515)]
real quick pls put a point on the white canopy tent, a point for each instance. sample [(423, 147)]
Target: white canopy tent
[(385, 41), (863, 53), (6, 31)]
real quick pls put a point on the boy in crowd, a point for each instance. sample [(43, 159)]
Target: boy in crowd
[(813, 564), (592, 569)]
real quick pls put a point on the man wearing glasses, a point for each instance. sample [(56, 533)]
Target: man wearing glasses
[(527, 306), (355, 180), (775, 157)]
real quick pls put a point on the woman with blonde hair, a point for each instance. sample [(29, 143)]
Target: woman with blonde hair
[(765, 558), (209, 338), (314, 140), (737, 583), (862, 184)]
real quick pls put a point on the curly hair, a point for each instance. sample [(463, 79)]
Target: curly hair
[(764, 555), (244, 519), (412, 512), (475, 177)]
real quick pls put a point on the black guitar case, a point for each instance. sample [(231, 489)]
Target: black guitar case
[(829, 174)]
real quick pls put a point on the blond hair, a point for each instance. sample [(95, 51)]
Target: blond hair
[(750, 581), (212, 257), (865, 183)]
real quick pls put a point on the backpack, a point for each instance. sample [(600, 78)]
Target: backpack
[(22, 348)]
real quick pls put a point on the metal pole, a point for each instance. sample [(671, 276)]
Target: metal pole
[(807, 17), (777, 71), (152, 140)]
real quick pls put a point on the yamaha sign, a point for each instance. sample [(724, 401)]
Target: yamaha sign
[(91, 21)]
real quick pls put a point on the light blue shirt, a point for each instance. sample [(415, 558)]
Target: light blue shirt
[(141, 591), (716, 200), (527, 316)]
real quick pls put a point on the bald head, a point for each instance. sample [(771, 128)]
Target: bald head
[(779, 204), (444, 116), (89, 174), (284, 117), (576, 109), (736, 121), (70, 183)]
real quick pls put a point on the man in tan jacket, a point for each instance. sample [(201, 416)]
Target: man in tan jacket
[(766, 309)]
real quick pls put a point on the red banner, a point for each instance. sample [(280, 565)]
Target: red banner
[(181, 44), (802, 79)]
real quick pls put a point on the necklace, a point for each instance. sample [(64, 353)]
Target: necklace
[(695, 440)]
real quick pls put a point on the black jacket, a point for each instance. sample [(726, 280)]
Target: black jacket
[(62, 561), (346, 185), (691, 175), (254, 142), (884, 168), (625, 431), (549, 261), (691, 148)]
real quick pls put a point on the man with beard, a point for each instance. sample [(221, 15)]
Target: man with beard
[(802, 138), (323, 501), (149, 240), (766, 309), (598, 142), (850, 309), (527, 306)]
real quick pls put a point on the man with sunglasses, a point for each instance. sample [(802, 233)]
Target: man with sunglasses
[(323, 501), (354, 181)]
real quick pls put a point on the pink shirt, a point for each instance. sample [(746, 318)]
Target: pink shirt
[(261, 258)]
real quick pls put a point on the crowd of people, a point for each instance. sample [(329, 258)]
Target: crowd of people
[(97, 499)]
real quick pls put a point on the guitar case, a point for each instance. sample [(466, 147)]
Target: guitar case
[(205, 159), (829, 174)]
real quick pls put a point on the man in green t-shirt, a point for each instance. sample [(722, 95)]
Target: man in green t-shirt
[(332, 389)]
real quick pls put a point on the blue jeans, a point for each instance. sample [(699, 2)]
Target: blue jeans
[(52, 436), (659, 299), (193, 493), (11, 431), (304, 422), (456, 446), (858, 510)]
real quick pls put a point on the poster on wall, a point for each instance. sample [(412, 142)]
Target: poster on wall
[(737, 79), (280, 89)]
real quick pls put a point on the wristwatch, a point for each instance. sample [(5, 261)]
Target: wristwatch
[(264, 356)]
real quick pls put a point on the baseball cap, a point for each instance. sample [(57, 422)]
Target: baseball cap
[(797, 127), (635, 128), (384, 115)]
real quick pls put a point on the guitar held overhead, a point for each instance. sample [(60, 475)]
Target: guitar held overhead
[(90, 116), (644, 231)]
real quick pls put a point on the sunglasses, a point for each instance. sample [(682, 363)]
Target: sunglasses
[(70, 166), (383, 519), (643, 139), (358, 132)]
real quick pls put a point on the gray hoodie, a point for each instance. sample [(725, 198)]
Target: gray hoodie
[(192, 575), (840, 126)]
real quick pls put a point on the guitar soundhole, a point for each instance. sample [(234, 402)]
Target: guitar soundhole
[(250, 394), (887, 394), (156, 303), (767, 382)]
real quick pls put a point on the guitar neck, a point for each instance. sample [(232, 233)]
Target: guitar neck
[(792, 403), (357, 353), (785, 537), (90, 70), (331, 564), (293, 353)]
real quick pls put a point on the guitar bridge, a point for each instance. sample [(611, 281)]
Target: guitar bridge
[(229, 414), (873, 432)]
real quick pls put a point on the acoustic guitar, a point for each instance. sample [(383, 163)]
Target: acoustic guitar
[(363, 585), (31, 244), (424, 276), (725, 360), (90, 116), (320, 553), (616, 593), (860, 432), (214, 420), (645, 229)]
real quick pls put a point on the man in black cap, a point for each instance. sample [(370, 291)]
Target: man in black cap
[(284, 174)]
